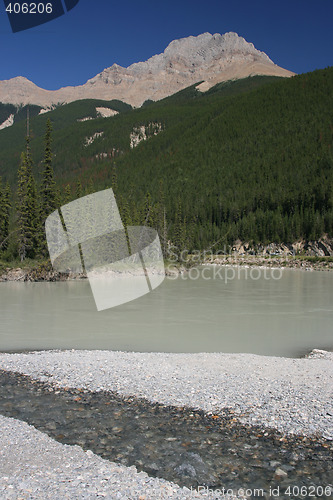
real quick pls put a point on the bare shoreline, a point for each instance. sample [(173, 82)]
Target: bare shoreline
[(46, 273), (292, 396)]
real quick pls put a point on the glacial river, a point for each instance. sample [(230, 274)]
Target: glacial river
[(273, 312)]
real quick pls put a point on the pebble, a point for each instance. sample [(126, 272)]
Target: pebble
[(280, 474)]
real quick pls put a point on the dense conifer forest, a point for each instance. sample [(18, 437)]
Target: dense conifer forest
[(249, 160)]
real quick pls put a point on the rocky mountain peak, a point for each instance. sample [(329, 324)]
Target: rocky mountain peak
[(200, 51), (184, 62)]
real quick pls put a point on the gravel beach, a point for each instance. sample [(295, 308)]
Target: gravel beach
[(293, 396), (34, 466)]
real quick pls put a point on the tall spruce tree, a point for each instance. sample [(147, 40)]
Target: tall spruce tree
[(67, 195), (179, 230), (27, 219), (5, 207), (161, 221), (48, 192), (147, 210), (79, 189), (4, 215), (114, 179)]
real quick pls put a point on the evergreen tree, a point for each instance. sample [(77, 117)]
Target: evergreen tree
[(79, 190), (48, 192), (114, 179), (160, 218), (125, 211), (1, 212), (179, 230), (5, 207), (67, 196), (90, 188), (27, 220), (125, 215), (147, 210)]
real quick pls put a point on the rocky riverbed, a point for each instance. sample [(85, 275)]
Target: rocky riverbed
[(281, 399), (46, 273)]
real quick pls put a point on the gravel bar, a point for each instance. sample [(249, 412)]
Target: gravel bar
[(293, 396), (35, 467)]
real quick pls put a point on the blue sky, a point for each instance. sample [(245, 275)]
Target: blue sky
[(295, 34)]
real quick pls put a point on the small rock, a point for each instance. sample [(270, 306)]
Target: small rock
[(280, 474)]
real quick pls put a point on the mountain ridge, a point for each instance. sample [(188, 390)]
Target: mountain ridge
[(204, 58)]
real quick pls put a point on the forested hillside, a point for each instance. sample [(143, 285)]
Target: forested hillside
[(69, 122), (18, 113), (249, 160)]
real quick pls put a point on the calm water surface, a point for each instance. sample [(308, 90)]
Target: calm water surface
[(256, 313)]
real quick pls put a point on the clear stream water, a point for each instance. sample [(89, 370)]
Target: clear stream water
[(271, 312), (179, 444)]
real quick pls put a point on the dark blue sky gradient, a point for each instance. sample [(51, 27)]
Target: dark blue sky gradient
[(295, 34)]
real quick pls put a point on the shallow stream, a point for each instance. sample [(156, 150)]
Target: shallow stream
[(185, 446)]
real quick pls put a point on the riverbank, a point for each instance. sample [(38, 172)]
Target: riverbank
[(36, 467), (37, 272), (302, 254), (306, 263), (292, 396)]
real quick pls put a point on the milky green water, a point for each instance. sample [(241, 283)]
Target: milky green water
[(283, 313)]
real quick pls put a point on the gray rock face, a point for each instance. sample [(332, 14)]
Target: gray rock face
[(192, 54), (201, 51), (208, 58), (320, 248), (189, 60)]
